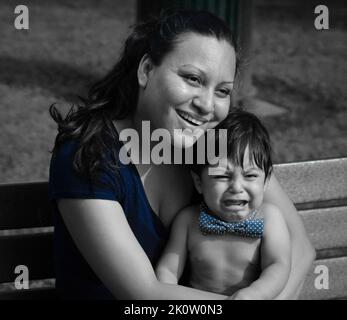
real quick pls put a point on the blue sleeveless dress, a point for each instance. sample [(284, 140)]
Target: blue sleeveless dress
[(74, 278)]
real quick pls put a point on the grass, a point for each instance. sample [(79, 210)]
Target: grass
[(72, 43), (68, 46), (305, 71)]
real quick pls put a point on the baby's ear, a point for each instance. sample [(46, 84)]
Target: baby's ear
[(267, 181), (197, 181)]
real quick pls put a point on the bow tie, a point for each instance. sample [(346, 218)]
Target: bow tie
[(249, 227)]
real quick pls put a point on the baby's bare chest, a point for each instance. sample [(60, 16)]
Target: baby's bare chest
[(223, 252)]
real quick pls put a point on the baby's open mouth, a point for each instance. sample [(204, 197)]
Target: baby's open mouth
[(230, 202)]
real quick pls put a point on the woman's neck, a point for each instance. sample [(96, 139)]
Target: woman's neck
[(135, 145)]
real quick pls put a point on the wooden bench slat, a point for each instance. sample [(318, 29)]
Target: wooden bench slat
[(34, 251), (313, 181), (327, 228), (337, 269), (24, 205)]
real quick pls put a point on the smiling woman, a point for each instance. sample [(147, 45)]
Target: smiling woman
[(112, 219)]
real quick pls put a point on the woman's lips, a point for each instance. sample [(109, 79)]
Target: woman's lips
[(191, 118)]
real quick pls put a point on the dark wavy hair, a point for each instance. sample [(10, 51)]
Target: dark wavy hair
[(244, 130), (115, 96)]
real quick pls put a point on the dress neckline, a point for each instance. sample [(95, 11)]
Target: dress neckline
[(138, 177)]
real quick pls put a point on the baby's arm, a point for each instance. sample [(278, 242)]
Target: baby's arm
[(171, 264), (275, 258)]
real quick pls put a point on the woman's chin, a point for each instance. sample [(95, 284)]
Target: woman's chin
[(183, 141)]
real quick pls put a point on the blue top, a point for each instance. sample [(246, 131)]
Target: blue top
[(74, 278)]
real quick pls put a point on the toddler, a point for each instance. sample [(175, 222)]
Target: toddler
[(236, 243)]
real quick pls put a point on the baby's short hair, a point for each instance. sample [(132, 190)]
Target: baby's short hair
[(243, 130)]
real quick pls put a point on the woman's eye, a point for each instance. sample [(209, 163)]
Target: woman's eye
[(193, 79), (223, 93)]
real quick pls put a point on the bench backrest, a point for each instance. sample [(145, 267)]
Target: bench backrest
[(319, 191), (26, 237), (318, 188)]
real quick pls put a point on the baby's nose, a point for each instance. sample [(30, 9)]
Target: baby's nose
[(235, 186)]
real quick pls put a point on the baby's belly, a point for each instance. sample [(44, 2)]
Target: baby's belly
[(224, 264)]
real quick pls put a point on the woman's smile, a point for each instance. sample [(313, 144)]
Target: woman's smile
[(191, 118)]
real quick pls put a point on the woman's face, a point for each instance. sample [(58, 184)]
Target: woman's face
[(190, 90)]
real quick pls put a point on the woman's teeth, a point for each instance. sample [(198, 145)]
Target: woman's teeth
[(190, 119)]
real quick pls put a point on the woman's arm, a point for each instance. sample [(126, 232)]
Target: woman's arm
[(103, 236), (275, 258), (303, 252)]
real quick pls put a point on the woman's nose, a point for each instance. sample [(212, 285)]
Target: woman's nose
[(204, 102)]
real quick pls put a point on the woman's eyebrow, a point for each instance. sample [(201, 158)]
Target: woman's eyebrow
[(193, 66), (204, 73), (228, 82)]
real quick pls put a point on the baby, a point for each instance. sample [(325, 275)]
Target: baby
[(236, 244)]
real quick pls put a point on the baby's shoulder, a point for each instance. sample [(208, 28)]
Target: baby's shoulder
[(187, 215)]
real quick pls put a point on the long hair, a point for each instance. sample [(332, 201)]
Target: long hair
[(115, 96)]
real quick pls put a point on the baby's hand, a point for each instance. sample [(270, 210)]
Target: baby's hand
[(245, 294)]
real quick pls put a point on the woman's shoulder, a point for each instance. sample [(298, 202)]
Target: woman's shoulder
[(66, 181), (65, 154), (62, 158)]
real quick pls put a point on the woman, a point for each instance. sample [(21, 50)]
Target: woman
[(112, 219)]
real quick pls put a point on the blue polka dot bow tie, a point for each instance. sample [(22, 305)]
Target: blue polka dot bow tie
[(249, 227)]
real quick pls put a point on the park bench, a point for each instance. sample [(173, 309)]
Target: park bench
[(318, 189)]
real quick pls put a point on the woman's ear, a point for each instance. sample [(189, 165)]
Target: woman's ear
[(145, 66), (197, 181)]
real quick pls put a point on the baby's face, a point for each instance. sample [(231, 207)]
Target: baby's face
[(230, 191)]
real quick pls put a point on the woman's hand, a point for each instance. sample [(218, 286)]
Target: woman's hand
[(303, 253), (103, 236)]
